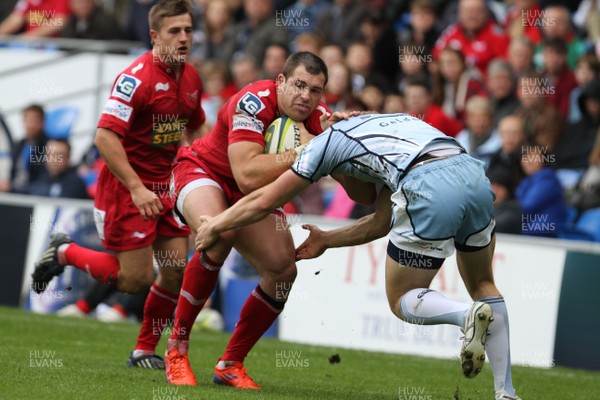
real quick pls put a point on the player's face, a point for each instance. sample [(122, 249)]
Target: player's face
[(173, 40), (299, 94)]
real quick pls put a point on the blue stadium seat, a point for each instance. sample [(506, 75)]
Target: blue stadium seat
[(589, 222), (60, 121)]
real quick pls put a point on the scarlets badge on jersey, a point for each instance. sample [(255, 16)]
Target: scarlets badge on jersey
[(250, 104), (125, 87)]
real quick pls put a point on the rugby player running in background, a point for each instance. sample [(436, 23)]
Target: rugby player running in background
[(154, 104)]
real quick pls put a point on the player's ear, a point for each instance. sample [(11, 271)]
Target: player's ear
[(280, 79), (153, 36)]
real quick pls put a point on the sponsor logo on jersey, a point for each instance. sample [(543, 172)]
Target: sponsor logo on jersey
[(247, 123), (161, 86), (167, 133), (250, 104), (126, 87), (264, 93), (117, 109)]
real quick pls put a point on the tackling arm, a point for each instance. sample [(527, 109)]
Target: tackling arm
[(253, 207), (364, 230)]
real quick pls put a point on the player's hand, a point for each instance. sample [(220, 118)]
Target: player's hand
[(329, 119), (305, 136), (147, 202), (313, 246), (205, 236)]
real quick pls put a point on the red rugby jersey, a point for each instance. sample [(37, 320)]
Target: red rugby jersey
[(244, 118), (149, 109)]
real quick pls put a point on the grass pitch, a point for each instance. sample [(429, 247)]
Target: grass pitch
[(47, 357)]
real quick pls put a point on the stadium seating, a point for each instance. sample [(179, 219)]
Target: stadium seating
[(589, 222), (60, 121)]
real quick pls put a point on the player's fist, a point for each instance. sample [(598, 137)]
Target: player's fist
[(205, 235), (313, 246), (147, 202)]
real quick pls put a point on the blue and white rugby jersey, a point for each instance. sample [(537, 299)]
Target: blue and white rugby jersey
[(373, 148)]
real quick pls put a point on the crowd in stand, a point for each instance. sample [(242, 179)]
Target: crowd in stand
[(517, 83)]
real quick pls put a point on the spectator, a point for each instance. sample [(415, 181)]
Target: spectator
[(59, 178), (573, 151), (524, 18), (360, 60), (378, 34), (587, 69), (338, 91), (214, 39), (421, 31), (332, 54), (5, 156), (137, 28), (455, 83), (275, 57), (308, 41), (586, 194), (419, 103), (543, 123), (413, 67), (500, 85), (540, 195), (89, 21), (28, 154), (244, 71), (216, 89), (479, 137), (475, 34), (252, 36), (520, 55), (507, 210), (372, 97), (393, 103), (37, 18), (587, 18), (301, 17), (560, 78), (512, 137), (559, 27), (339, 23)]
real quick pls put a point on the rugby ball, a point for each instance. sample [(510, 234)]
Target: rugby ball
[(282, 135)]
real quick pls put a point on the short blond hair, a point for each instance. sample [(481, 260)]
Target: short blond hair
[(168, 8)]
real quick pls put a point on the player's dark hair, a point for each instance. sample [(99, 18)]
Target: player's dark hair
[(311, 62), (168, 8), (36, 108)]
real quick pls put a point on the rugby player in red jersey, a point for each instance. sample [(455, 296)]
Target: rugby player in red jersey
[(154, 104), (218, 170)]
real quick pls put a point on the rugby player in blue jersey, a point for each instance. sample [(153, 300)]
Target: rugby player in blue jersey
[(435, 199)]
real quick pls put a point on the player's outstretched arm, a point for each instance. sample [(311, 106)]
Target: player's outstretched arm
[(364, 230), (114, 155), (253, 207)]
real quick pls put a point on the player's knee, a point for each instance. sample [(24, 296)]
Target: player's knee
[(283, 271), (172, 277), (484, 289), (136, 282), (394, 303)]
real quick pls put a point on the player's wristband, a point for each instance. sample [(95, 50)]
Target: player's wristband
[(298, 150)]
